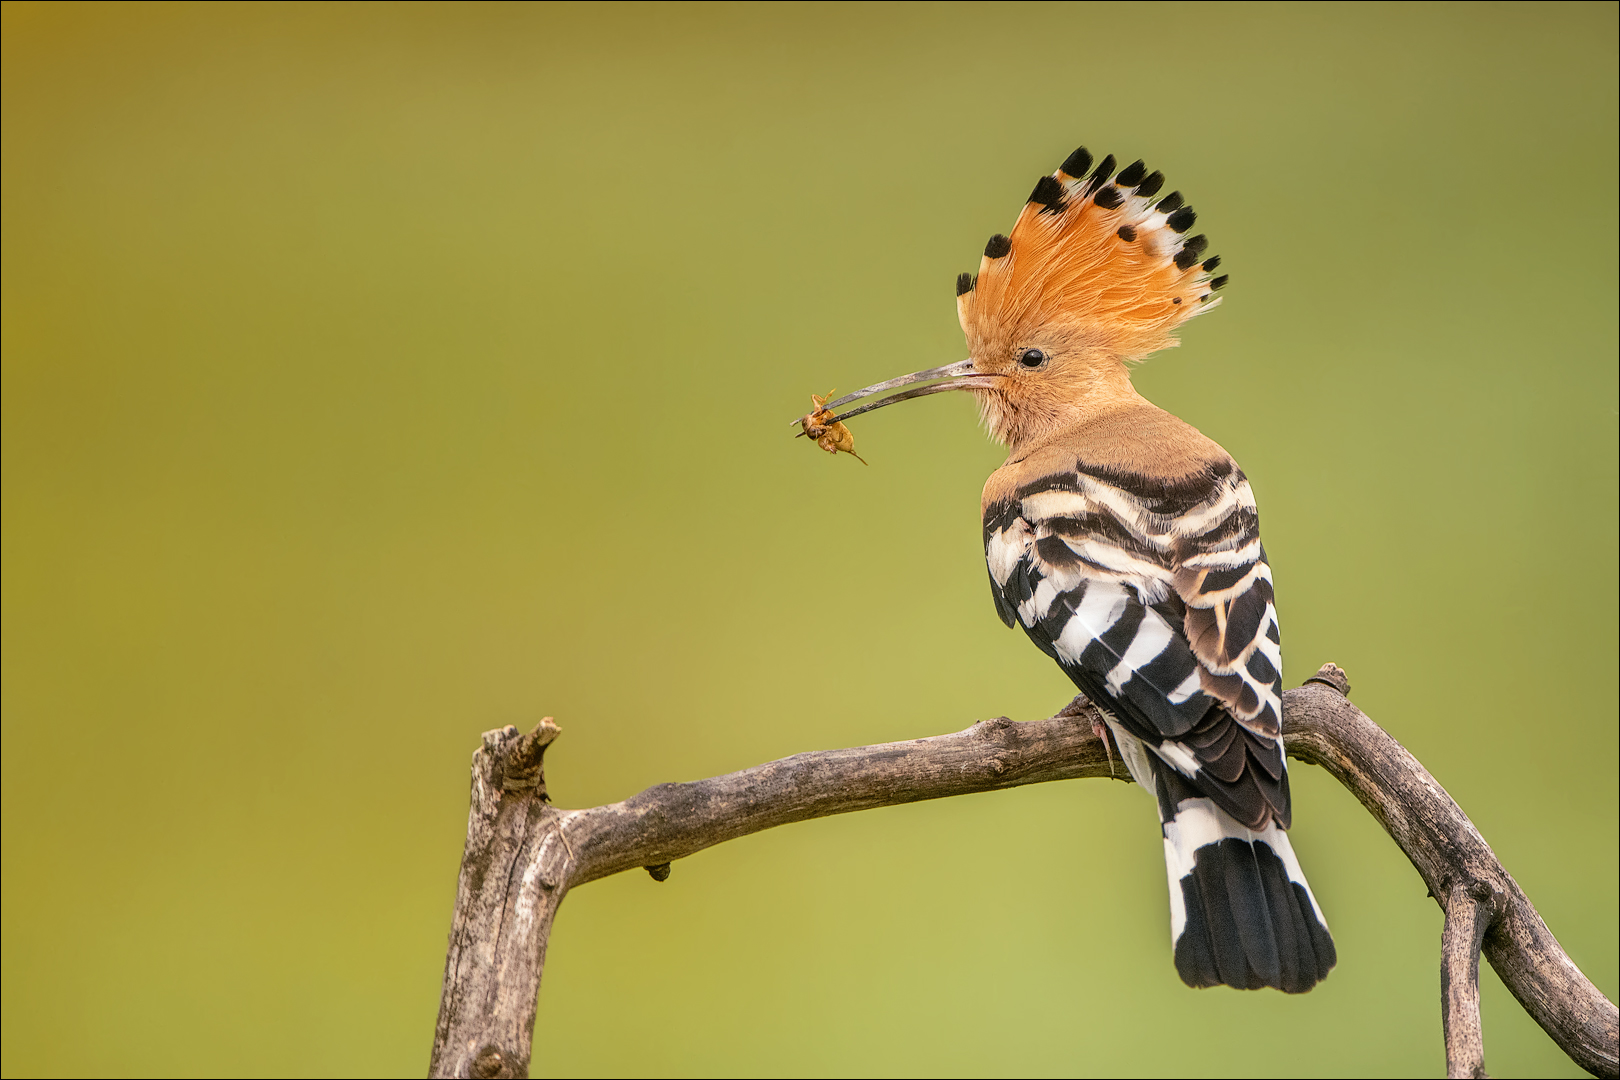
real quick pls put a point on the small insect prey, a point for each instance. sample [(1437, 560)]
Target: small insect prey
[(828, 433)]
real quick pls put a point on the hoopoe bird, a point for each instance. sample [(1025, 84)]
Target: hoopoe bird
[(1126, 545)]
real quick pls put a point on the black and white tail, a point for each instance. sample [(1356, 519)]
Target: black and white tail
[(1241, 913)]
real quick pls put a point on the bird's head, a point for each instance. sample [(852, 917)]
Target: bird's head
[(1097, 273)]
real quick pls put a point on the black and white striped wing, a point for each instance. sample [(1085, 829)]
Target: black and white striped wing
[(1155, 598)]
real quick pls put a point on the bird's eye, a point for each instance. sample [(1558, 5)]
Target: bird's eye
[(1032, 358)]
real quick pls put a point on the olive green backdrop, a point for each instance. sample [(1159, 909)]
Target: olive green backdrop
[(377, 375)]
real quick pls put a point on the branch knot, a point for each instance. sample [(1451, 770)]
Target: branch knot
[(991, 728), (1332, 675), (491, 1062)]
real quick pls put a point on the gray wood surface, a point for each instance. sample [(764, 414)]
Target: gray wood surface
[(523, 855)]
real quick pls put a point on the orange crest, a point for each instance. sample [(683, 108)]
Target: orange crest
[(1097, 254)]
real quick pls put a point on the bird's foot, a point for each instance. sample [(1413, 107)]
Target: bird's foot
[(1100, 729), (1077, 707), (1082, 706)]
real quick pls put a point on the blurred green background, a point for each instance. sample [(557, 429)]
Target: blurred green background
[(377, 375)]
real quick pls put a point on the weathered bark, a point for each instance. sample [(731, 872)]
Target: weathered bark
[(1468, 916), (513, 876), (523, 855), (1324, 729)]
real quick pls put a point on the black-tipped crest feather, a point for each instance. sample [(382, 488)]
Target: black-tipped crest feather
[(1049, 193), (1132, 174), (1100, 175), (1076, 164)]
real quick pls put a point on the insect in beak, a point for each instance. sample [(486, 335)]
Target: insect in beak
[(827, 432), (957, 376)]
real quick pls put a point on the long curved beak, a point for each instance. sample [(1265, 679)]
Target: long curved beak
[(957, 376)]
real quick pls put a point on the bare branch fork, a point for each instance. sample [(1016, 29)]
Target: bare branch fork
[(523, 855)]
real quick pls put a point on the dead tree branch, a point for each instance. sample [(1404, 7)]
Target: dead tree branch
[(1469, 913), (523, 855)]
